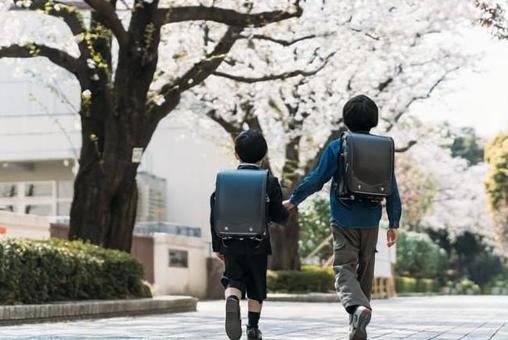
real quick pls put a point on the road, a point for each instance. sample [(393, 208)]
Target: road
[(447, 317)]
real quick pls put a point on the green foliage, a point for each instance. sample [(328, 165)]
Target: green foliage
[(498, 286), (314, 228), (466, 287), (418, 256), (465, 145), (57, 270), (496, 154), (412, 285), (309, 279)]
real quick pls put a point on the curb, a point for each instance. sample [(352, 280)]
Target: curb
[(311, 297), (72, 310)]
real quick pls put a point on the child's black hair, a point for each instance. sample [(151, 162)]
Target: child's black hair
[(360, 114), (250, 146)]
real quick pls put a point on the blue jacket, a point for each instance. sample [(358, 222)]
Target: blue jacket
[(352, 214)]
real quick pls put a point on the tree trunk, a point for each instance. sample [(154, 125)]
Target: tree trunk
[(105, 191), (285, 237), (285, 244), (105, 198)]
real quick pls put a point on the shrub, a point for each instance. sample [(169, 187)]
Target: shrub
[(309, 279), (412, 285), (56, 270), (314, 222), (405, 284), (419, 257), (467, 287)]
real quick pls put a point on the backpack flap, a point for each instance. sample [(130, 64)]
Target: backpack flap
[(240, 203), (369, 171)]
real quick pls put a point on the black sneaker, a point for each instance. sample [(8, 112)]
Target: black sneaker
[(253, 333), (358, 325), (233, 319)]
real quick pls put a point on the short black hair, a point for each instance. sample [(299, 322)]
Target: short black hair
[(250, 146), (360, 113)]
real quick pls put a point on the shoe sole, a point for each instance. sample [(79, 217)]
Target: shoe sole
[(360, 331), (233, 321)]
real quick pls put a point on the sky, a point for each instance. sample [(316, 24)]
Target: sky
[(476, 95)]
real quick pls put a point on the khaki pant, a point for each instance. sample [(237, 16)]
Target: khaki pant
[(354, 257)]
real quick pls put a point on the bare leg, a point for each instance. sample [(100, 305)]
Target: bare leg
[(255, 306), (233, 291)]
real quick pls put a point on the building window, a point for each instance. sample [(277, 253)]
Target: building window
[(10, 208), (178, 258), (40, 189), (39, 209), (8, 190)]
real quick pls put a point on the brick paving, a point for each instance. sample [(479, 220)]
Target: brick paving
[(447, 317)]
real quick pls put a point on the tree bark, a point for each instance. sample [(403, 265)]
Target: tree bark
[(285, 238)]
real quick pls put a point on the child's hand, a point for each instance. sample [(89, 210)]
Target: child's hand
[(288, 205), (391, 235), (220, 256)]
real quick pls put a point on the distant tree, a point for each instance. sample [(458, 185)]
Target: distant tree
[(465, 145), (417, 190), (496, 155)]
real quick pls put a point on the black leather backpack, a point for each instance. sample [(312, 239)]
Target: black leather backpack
[(366, 165), (240, 208)]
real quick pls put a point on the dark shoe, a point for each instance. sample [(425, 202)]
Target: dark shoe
[(254, 334), (358, 325), (233, 319)]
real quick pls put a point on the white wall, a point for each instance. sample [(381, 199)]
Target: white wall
[(180, 281), (188, 157), (27, 226)]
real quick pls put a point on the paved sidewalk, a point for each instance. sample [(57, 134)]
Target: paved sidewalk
[(447, 317)]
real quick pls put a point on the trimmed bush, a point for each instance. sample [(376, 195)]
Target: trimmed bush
[(405, 284), (310, 279), (56, 270), (412, 285)]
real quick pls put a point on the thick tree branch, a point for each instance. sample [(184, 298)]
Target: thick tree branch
[(67, 13), (270, 77), (406, 147), (207, 66), (56, 56), (232, 129), (109, 18), (199, 72), (222, 15)]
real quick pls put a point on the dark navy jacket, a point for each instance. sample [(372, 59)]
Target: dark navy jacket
[(352, 214), (276, 213)]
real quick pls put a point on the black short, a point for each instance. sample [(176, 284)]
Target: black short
[(246, 273)]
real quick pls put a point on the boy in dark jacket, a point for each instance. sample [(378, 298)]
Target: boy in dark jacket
[(246, 260), (354, 223)]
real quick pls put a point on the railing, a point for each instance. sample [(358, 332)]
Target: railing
[(166, 228)]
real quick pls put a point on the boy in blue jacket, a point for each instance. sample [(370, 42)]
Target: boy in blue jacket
[(354, 223)]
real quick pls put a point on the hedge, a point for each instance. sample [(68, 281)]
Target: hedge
[(55, 270), (412, 285), (309, 279)]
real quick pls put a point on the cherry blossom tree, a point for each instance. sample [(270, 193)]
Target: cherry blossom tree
[(493, 15), (114, 51), (396, 52)]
